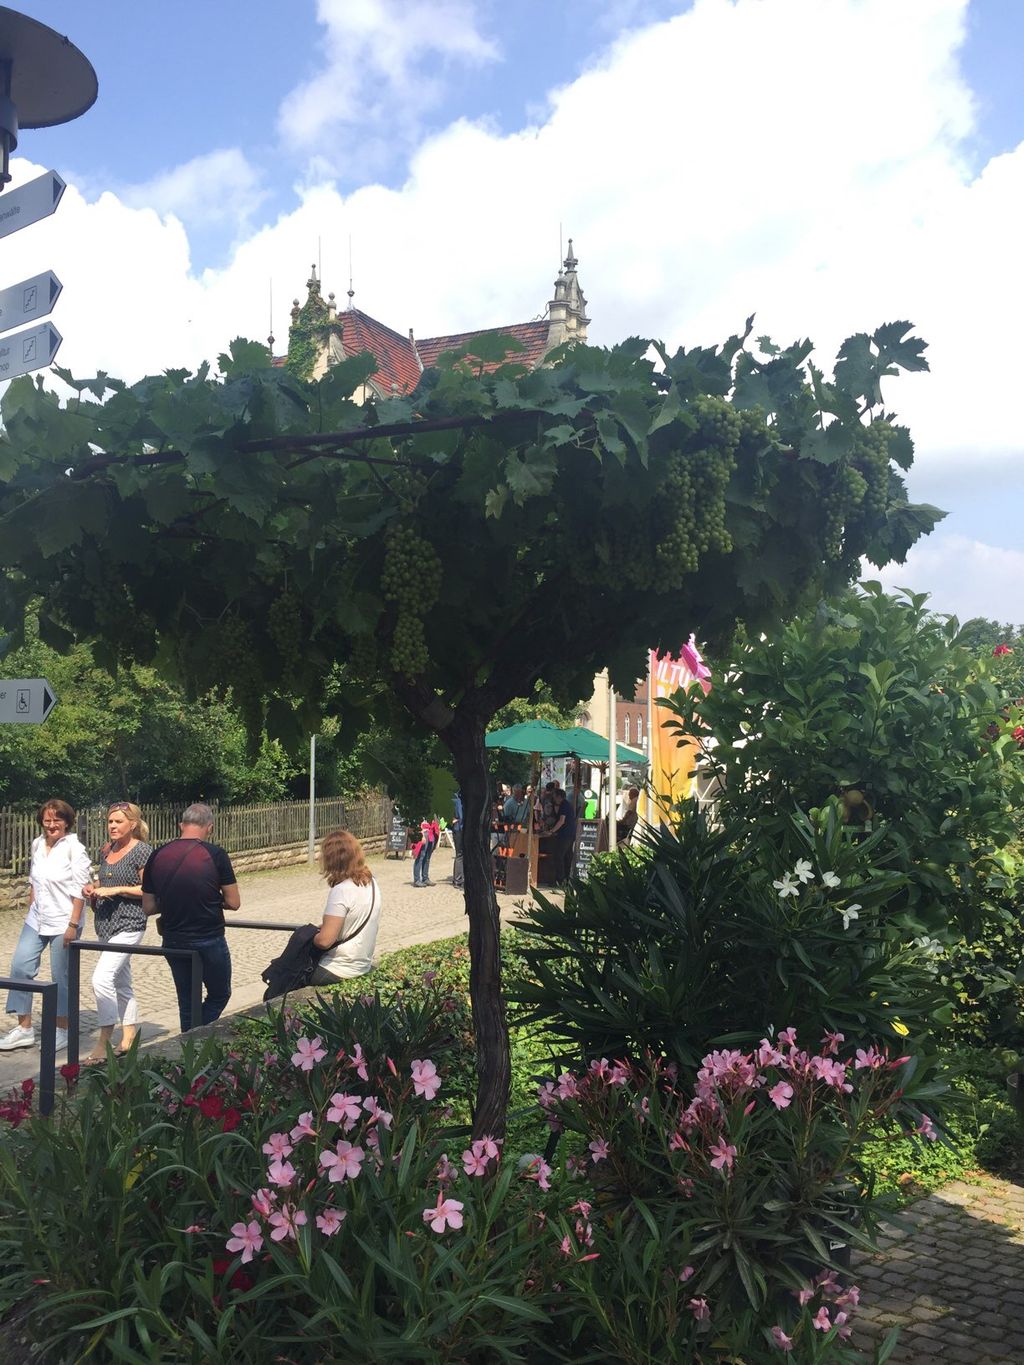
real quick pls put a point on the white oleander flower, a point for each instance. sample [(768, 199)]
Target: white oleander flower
[(786, 887), (803, 871), (850, 913), (831, 880)]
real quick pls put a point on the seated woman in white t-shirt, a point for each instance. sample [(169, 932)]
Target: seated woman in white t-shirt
[(348, 934)]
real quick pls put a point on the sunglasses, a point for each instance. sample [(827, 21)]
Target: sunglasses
[(118, 805)]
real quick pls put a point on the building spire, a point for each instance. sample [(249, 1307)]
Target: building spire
[(351, 292)]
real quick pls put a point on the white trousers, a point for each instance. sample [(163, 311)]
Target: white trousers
[(112, 984)]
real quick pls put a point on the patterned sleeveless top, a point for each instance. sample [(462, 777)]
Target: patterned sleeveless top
[(121, 914)]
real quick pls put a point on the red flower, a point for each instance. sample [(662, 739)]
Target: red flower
[(232, 1118), (70, 1072), (28, 1086), (211, 1106), (1000, 650), (1018, 734)]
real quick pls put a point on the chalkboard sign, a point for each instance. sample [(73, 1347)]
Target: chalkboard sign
[(397, 836), (588, 833)]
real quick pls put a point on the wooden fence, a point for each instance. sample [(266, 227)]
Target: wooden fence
[(239, 829)]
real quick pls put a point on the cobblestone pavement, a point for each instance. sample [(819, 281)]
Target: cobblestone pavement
[(952, 1278), (293, 894)]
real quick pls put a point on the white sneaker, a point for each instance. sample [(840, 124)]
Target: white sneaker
[(18, 1037), (60, 1040)]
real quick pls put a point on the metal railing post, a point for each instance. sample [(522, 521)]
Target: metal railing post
[(132, 949), (48, 1036)]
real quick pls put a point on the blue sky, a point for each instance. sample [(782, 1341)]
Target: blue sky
[(828, 163)]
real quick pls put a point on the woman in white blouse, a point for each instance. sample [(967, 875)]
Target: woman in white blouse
[(348, 933), (60, 869)]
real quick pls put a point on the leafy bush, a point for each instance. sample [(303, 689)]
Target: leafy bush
[(873, 698), (708, 941)]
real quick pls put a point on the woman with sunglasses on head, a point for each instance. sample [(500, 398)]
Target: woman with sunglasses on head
[(117, 909)]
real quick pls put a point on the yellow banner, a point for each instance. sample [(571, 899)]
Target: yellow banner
[(672, 756)]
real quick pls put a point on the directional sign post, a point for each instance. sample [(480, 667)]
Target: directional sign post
[(25, 701), (30, 202), (29, 300), (28, 350)]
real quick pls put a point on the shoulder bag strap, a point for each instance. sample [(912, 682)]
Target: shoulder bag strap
[(366, 920)]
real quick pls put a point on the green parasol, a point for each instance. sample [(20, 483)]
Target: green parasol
[(541, 737)]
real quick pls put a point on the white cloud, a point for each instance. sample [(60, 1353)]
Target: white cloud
[(963, 576), (220, 187), (385, 61)]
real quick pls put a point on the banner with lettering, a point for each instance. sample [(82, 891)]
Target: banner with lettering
[(672, 758)]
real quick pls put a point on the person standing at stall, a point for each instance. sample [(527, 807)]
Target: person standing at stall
[(562, 835)]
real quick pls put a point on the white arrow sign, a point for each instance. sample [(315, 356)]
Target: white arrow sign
[(25, 701), (30, 202), (28, 350), (29, 300)]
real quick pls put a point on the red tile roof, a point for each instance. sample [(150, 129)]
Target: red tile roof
[(400, 362), (533, 335)]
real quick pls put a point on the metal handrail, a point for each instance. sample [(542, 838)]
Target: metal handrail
[(94, 946), (48, 1036)]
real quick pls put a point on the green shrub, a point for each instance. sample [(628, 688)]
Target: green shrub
[(710, 940)]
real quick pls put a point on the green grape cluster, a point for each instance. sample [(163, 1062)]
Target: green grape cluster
[(842, 498), (408, 485), (411, 579), (363, 658), (720, 425), (285, 626), (230, 660), (873, 462), (105, 609), (694, 507)]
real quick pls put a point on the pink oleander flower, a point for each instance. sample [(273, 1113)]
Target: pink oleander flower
[(446, 1172), (263, 1202), (359, 1062), (805, 1295), (429, 978), (849, 1298), (489, 1146), (781, 1095), (677, 1142), (619, 1074), (565, 1246), (344, 1163), (304, 1128), (278, 1146), (869, 1058), (727, 1069), (783, 1342), (788, 1037), (286, 1222), (766, 1055), (425, 1080), (686, 1273), (344, 1109), (926, 1129), (331, 1220), (308, 1051), (446, 1213), (830, 1071), (536, 1168), (474, 1163), (599, 1150), (699, 1308), (724, 1155), (378, 1115), (575, 1165), (581, 1207), (247, 1239), (567, 1088), (600, 1069), (830, 1043), (281, 1173), (546, 1094), (821, 1320), (584, 1232)]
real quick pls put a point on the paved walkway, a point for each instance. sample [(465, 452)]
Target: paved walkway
[(294, 895), (952, 1279)]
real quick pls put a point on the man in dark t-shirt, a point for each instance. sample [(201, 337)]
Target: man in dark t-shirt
[(562, 835), (189, 883)]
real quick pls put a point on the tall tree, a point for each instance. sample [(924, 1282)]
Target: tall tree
[(496, 527)]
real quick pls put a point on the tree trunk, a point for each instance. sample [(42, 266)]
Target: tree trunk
[(465, 738)]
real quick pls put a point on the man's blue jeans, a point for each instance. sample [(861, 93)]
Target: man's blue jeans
[(216, 978), (25, 964), (421, 867)]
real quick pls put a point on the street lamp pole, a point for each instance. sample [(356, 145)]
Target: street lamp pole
[(311, 849)]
